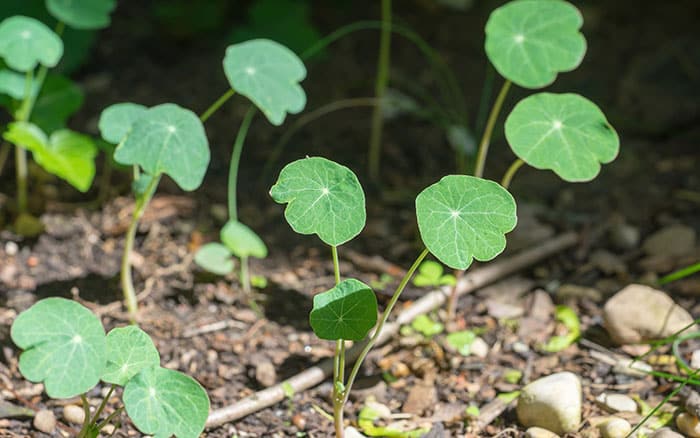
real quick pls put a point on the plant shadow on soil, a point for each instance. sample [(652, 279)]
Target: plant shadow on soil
[(287, 307), (92, 287)]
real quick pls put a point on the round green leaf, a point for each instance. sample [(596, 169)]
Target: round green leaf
[(116, 120), (129, 351), (215, 258), (168, 139), (82, 14), (26, 42), (462, 218), (323, 197), (163, 402), (58, 99), (566, 133), (64, 346), (12, 84), (268, 74), (348, 311), (531, 41), (242, 241)]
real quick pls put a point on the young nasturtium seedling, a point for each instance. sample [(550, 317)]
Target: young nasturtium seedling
[(348, 311), (430, 273), (66, 348), (82, 14), (26, 42)]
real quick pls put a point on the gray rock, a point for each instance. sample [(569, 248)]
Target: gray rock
[(665, 432), (552, 402), (615, 428), (538, 432), (45, 421), (617, 402), (624, 236), (640, 313), (74, 414), (672, 240)]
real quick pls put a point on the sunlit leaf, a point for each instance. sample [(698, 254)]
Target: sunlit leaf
[(427, 326), (242, 241), (462, 341), (129, 350)]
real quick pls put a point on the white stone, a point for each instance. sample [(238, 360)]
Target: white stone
[(615, 428), (538, 432), (552, 402), (479, 348), (45, 421), (351, 432), (617, 402), (665, 432), (74, 414)]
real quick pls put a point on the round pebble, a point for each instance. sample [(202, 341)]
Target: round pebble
[(665, 432), (73, 414), (688, 425), (552, 402), (45, 421), (615, 428), (538, 432), (617, 402)]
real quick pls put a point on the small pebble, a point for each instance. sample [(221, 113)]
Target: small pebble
[(108, 429), (11, 248), (299, 421), (617, 402), (538, 432), (351, 432), (615, 428), (74, 414), (400, 369), (624, 236), (552, 402), (265, 374), (673, 240), (45, 421), (665, 432), (688, 425), (479, 348)]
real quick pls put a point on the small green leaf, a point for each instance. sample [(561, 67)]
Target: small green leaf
[(168, 139), (268, 74), (64, 346), (426, 326), (242, 241), (567, 316), (129, 350), (430, 274), (461, 341), (530, 41), (462, 218), (82, 14), (512, 376), (348, 311), (472, 412), (59, 99), (116, 120), (566, 133), (324, 198), (163, 402), (215, 258), (507, 397), (12, 84), (26, 42), (258, 281)]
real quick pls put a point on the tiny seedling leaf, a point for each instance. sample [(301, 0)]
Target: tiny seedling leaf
[(268, 74), (348, 311), (324, 198), (59, 99), (129, 350), (566, 133), (530, 41), (430, 274), (82, 14), (26, 42), (66, 154), (568, 318), (12, 84), (461, 341), (163, 402), (116, 120), (426, 326), (215, 258), (168, 139), (242, 241), (462, 218), (64, 346)]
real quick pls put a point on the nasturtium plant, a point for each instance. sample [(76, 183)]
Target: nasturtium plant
[(242, 241), (64, 346), (430, 273), (164, 402), (215, 258), (82, 14), (530, 41), (323, 198), (566, 133), (129, 351), (58, 100), (348, 311), (462, 218), (26, 42), (12, 84), (268, 74), (116, 120)]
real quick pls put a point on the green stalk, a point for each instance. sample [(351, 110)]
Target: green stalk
[(338, 364), (381, 81), (681, 273), (4, 153), (245, 277), (382, 322), (508, 176), (216, 105), (126, 280), (235, 161), (488, 131)]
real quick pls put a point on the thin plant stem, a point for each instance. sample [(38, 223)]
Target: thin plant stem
[(338, 363), (235, 161), (382, 322), (217, 104), (86, 420), (245, 277), (20, 153), (105, 400), (375, 140), (508, 176), (681, 273), (488, 131), (110, 418), (4, 153), (336, 264), (126, 280)]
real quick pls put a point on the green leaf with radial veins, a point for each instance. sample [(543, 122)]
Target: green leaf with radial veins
[(129, 350), (82, 14), (531, 41), (116, 120), (566, 133), (163, 403), (66, 154), (348, 311), (26, 42), (242, 241), (168, 139), (462, 218), (324, 198), (64, 346), (268, 74), (58, 99), (215, 258)]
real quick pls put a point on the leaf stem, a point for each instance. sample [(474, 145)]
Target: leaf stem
[(105, 400), (488, 131), (381, 81), (336, 264), (245, 277), (235, 161), (338, 364), (217, 104), (4, 153), (508, 176)]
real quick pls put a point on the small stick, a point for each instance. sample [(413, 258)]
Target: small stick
[(316, 374)]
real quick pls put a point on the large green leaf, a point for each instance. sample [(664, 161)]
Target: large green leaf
[(242, 241), (64, 346), (59, 99), (268, 74), (215, 258), (66, 154), (566, 133), (348, 311), (129, 351), (26, 42), (163, 402), (12, 84), (462, 218), (168, 139), (116, 120), (82, 14), (323, 197), (531, 41)]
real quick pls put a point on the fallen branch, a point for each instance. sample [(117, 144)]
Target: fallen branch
[(468, 283)]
